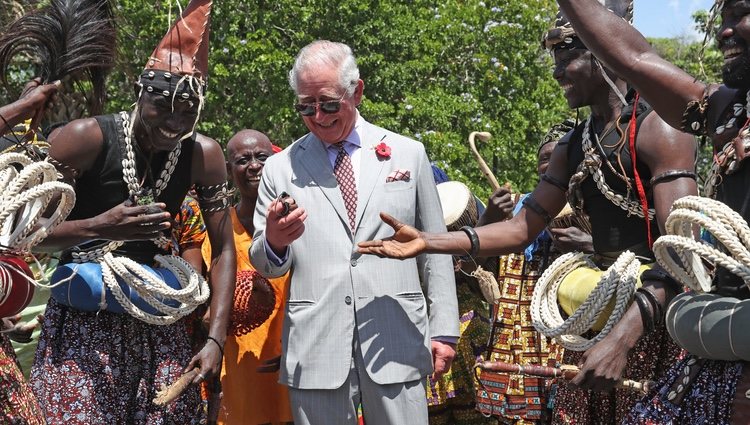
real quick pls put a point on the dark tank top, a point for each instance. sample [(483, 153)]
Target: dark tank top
[(613, 230), (734, 192), (102, 187)]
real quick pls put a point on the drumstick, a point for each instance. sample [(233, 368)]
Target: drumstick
[(566, 372), (483, 136)]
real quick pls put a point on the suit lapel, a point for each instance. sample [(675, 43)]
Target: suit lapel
[(370, 166), (314, 159)]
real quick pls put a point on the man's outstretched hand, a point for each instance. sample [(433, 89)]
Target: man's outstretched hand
[(406, 242)]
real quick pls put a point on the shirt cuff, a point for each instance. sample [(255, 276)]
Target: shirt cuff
[(278, 262), (446, 339)]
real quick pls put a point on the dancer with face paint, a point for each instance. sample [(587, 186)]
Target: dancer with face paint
[(131, 172)]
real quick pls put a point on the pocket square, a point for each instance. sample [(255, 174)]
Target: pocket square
[(398, 175)]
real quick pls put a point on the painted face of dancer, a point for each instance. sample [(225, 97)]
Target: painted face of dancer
[(158, 126), (733, 39), (578, 76)]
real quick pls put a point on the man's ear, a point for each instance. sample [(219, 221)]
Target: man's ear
[(229, 172)]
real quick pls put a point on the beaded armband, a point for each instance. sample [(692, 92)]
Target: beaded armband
[(694, 119), (213, 198)]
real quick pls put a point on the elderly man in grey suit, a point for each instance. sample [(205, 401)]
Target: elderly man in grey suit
[(357, 329)]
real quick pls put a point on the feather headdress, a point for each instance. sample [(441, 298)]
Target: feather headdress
[(67, 38)]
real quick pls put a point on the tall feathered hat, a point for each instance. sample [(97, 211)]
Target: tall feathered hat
[(563, 36), (178, 67)]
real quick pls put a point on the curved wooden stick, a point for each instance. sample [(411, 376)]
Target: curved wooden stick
[(566, 372), (169, 394), (483, 136)]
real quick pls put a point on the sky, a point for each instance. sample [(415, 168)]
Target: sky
[(667, 18)]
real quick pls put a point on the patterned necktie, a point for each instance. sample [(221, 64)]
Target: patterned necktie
[(344, 173)]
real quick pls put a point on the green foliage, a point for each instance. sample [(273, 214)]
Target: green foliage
[(434, 71)]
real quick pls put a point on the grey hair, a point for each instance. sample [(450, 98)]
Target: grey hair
[(324, 54)]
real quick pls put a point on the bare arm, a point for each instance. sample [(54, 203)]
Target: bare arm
[(500, 238), (77, 146), (625, 51), (208, 170)]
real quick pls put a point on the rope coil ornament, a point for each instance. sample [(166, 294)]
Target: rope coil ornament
[(26, 195), (194, 288), (727, 226), (617, 283)]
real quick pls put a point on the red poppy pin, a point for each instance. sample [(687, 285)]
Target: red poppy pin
[(382, 150)]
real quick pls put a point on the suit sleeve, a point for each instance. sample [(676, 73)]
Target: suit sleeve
[(436, 270), (259, 257)]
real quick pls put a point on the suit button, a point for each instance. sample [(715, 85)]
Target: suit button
[(353, 263), (348, 300)]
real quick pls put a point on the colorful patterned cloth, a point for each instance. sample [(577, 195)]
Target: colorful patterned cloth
[(188, 230), (451, 398), (512, 398), (105, 368), (708, 400), (650, 359), (18, 406)]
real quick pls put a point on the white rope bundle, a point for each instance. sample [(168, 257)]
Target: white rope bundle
[(150, 288), (617, 282), (153, 290), (24, 198), (728, 228)]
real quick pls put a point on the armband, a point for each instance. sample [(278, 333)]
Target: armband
[(670, 175), (473, 238), (694, 118), (646, 315), (555, 182), (213, 198), (533, 205), (659, 275)]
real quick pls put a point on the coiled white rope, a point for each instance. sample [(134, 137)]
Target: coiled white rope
[(728, 228), (153, 290), (617, 282), (25, 196)]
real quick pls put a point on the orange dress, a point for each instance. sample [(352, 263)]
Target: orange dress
[(249, 397)]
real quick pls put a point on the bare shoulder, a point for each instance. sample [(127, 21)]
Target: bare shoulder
[(78, 143), (661, 145), (208, 167)]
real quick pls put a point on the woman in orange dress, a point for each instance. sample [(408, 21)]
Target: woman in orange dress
[(250, 397)]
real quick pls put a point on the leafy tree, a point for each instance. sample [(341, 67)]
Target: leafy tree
[(433, 70)]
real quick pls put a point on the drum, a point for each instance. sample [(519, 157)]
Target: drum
[(568, 218), (578, 284), (82, 287), (459, 205), (16, 289)]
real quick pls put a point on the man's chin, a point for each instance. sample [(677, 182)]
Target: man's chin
[(737, 74)]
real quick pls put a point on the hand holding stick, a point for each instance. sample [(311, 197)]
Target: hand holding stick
[(565, 372)]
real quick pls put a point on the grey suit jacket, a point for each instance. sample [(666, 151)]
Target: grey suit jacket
[(334, 288)]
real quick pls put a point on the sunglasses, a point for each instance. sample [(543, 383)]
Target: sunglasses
[(328, 107)]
